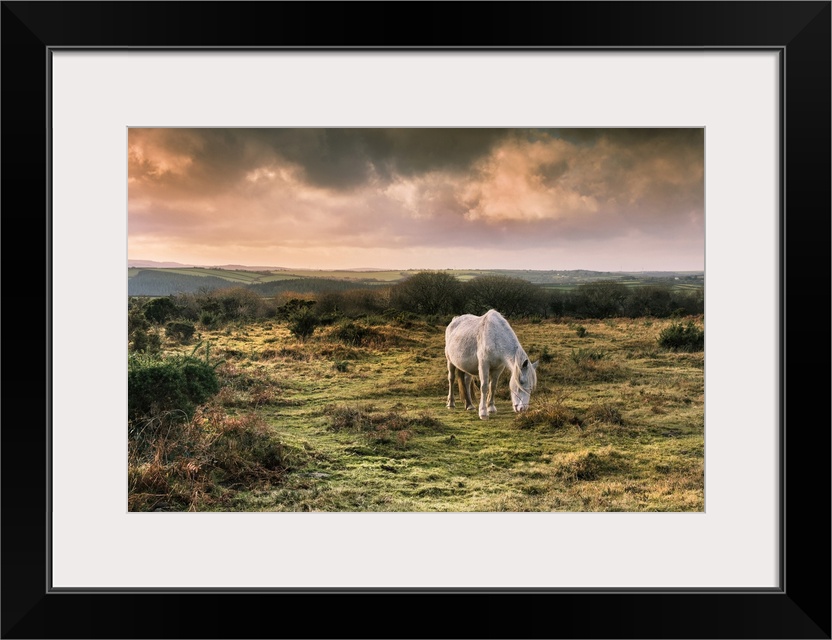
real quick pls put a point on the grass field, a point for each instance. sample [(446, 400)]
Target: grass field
[(616, 423)]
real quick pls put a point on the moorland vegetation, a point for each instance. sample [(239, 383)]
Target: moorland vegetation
[(335, 400)]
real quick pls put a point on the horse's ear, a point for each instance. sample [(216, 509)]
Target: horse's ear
[(525, 363), (534, 364)]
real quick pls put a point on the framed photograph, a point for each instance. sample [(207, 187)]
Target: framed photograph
[(104, 102)]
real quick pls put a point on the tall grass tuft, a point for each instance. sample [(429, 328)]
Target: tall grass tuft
[(551, 416), (201, 462)]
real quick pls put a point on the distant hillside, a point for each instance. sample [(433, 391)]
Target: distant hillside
[(153, 282), (162, 281), (158, 282)]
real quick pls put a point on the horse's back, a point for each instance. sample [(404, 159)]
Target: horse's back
[(497, 338), (461, 342), (470, 338)]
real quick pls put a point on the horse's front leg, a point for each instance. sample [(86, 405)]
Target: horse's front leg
[(484, 385), (451, 376)]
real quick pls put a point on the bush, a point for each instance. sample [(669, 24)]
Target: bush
[(428, 292), (354, 335), (208, 319), (682, 337), (180, 330), (303, 323), (145, 341), (513, 297), (159, 310), (168, 385)]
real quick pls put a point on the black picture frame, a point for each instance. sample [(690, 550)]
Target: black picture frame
[(799, 608)]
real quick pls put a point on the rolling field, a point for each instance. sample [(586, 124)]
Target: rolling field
[(616, 423), (549, 279)]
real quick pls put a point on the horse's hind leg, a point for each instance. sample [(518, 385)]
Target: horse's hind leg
[(465, 390), (451, 376)]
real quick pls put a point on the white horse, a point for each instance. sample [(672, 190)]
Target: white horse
[(485, 346)]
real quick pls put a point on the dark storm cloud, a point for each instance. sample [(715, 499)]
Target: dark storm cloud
[(331, 158)]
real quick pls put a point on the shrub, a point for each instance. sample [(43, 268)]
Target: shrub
[(180, 330), (168, 385), (145, 341), (238, 303), (354, 335), (159, 310), (208, 319), (580, 331), (428, 292), (135, 316), (682, 337), (303, 323), (513, 297)]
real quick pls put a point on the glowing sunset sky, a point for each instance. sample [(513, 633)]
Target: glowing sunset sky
[(598, 199)]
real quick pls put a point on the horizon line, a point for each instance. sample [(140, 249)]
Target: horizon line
[(193, 265)]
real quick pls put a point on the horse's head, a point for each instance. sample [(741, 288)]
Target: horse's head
[(522, 383)]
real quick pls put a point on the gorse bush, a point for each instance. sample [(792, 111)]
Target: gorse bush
[(176, 384), (159, 310), (145, 340), (682, 337), (303, 323), (180, 330), (142, 336), (208, 319)]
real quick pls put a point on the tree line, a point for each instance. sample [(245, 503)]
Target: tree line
[(427, 293), (441, 293)]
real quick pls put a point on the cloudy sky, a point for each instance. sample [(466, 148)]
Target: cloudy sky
[(598, 199)]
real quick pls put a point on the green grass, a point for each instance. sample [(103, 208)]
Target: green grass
[(616, 424)]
